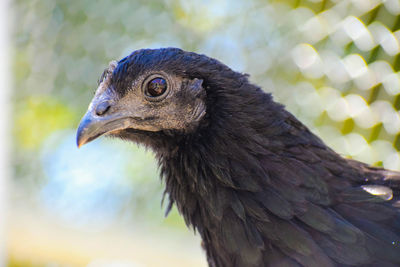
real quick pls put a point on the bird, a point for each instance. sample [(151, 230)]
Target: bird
[(245, 174)]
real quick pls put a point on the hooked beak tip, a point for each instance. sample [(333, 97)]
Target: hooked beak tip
[(84, 134), (79, 145), (79, 140)]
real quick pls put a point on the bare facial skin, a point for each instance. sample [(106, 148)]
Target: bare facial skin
[(177, 108)]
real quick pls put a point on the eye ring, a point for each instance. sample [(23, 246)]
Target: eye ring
[(156, 87)]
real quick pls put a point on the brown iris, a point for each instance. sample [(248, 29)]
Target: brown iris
[(156, 87)]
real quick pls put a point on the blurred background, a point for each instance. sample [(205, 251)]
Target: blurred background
[(334, 64)]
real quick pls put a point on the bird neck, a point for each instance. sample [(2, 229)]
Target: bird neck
[(219, 179), (234, 178), (200, 182)]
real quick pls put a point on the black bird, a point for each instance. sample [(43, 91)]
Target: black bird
[(258, 186)]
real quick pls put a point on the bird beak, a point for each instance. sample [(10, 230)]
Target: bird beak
[(93, 126), (89, 129), (100, 120)]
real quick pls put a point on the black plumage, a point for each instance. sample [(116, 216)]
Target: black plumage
[(257, 185)]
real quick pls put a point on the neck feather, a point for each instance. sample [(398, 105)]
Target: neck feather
[(219, 176)]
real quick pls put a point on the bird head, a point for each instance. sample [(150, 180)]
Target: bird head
[(149, 91)]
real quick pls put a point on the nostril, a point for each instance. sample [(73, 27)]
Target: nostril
[(102, 108)]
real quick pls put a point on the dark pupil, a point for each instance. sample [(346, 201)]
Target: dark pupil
[(156, 87)]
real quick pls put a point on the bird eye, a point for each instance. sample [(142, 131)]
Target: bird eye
[(156, 87)]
